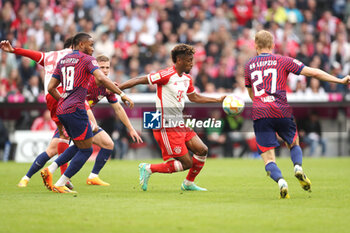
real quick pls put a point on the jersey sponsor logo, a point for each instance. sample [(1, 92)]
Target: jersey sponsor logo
[(152, 120), (268, 99), (155, 77), (94, 62), (297, 62)]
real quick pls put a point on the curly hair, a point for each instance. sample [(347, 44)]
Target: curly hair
[(79, 37), (181, 49), (68, 42)]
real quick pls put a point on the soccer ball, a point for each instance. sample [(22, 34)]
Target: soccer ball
[(233, 105)]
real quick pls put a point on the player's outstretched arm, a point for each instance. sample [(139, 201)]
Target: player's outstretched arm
[(6, 46), (250, 92), (101, 79), (198, 98), (323, 76), (120, 112), (133, 82), (53, 84)]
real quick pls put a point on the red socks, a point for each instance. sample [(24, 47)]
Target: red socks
[(61, 147), (168, 167), (198, 163)]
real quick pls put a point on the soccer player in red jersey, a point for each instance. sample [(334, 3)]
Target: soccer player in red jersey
[(265, 76), (172, 85), (74, 72), (58, 143)]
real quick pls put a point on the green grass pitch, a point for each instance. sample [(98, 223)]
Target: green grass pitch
[(241, 198)]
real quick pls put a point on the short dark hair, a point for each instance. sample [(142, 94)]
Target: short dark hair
[(81, 36), (68, 42), (182, 49), (102, 58)]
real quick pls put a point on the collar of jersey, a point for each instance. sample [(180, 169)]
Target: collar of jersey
[(264, 54), (75, 51)]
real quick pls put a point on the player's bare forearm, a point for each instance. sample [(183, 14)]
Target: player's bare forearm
[(133, 82), (323, 76), (201, 99), (250, 92), (101, 79), (52, 88), (120, 112)]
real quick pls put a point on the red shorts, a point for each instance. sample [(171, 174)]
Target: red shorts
[(51, 104), (172, 141)]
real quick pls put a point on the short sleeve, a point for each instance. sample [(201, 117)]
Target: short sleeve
[(57, 72), (157, 78), (191, 88), (293, 65), (91, 64), (248, 81)]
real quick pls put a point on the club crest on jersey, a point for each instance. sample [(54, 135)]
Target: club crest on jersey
[(152, 120), (186, 83), (94, 62), (177, 149), (155, 77)]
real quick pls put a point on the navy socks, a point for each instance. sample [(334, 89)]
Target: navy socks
[(67, 155), (296, 155), (273, 171), (77, 162), (38, 163), (101, 160)]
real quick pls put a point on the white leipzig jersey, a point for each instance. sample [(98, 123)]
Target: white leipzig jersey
[(171, 90), (50, 62)]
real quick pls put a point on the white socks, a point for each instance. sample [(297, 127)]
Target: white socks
[(187, 182), (25, 178), (148, 168), (62, 181), (53, 167), (92, 175), (282, 183), (297, 168)]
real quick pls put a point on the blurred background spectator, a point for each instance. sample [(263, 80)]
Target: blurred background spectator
[(311, 134), (43, 122), (142, 33)]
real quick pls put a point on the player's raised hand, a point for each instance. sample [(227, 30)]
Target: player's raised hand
[(6, 46), (135, 136), (127, 101), (346, 80), (221, 99)]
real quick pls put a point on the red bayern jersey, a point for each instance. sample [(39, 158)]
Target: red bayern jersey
[(96, 93), (267, 75), (74, 71), (171, 91)]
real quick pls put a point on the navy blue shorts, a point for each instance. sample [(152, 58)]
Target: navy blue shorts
[(77, 124), (266, 128), (57, 134)]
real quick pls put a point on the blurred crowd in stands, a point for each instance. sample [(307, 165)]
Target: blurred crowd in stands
[(138, 36)]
